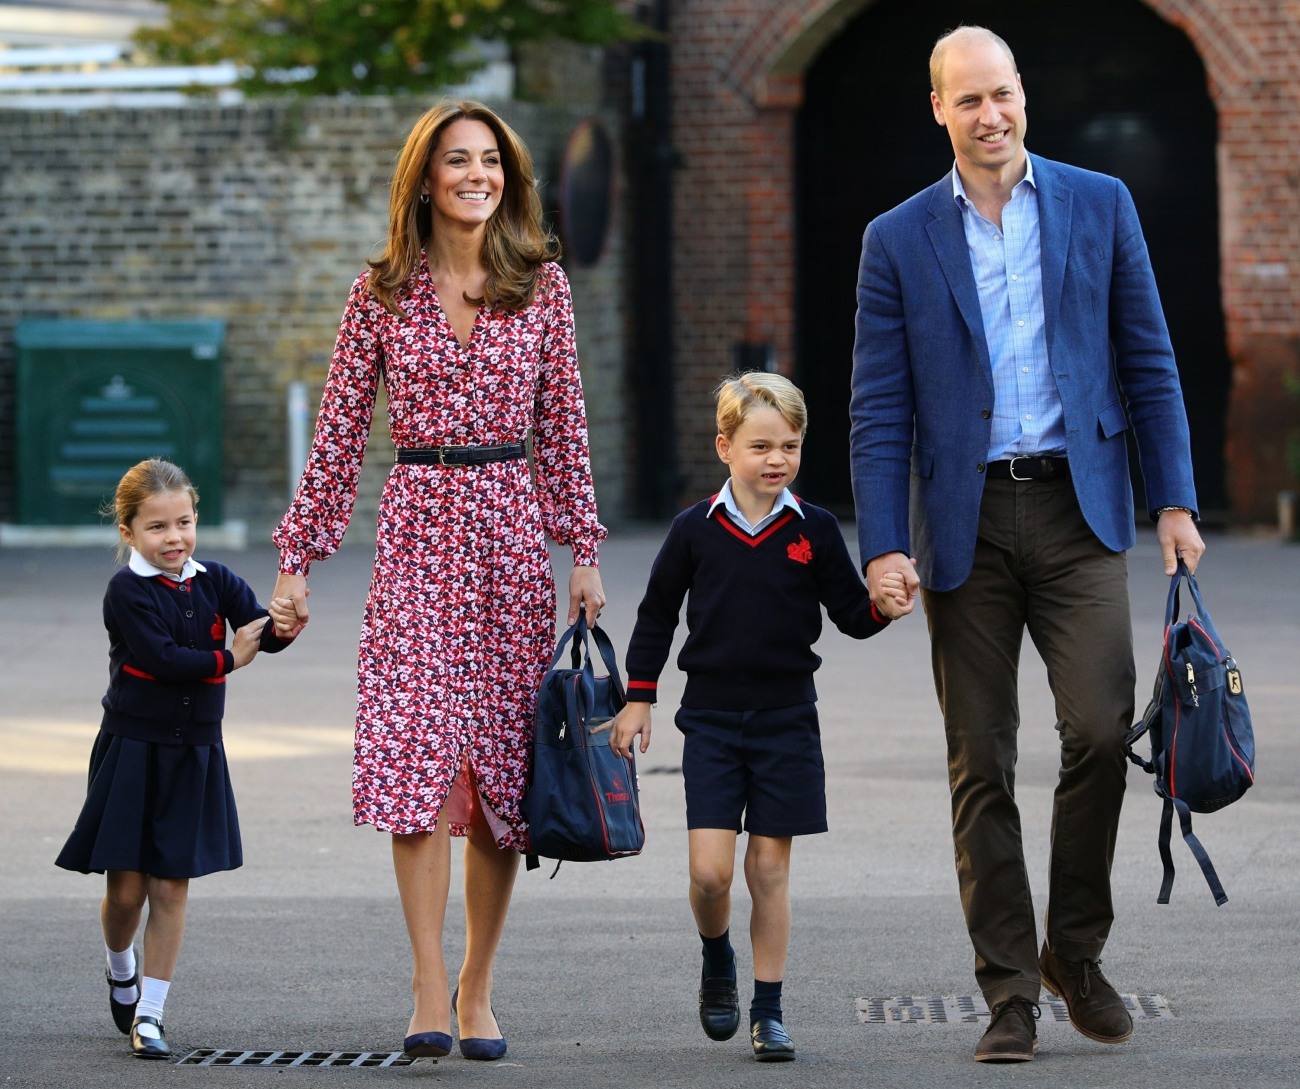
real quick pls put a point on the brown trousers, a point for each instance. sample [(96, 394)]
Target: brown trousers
[(1038, 567)]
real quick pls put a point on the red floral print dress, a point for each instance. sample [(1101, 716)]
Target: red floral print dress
[(459, 622)]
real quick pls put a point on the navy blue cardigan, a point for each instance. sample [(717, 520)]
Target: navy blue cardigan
[(167, 653), (753, 612)]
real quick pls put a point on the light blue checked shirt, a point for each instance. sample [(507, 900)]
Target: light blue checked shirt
[(1027, 414)]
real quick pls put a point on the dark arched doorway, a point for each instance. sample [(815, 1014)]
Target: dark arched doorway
[(1109, 86)]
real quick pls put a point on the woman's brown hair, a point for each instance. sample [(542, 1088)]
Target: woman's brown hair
[(517, 240)]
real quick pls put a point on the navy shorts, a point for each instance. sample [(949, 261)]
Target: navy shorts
[(762, 767)]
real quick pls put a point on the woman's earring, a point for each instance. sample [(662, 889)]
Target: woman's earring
[(424, 198)]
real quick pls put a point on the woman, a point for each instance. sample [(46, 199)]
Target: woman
[(469, 322)]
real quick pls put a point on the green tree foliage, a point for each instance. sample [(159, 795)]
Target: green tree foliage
[(367, 47)]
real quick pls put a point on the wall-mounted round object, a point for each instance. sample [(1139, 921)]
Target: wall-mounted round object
[(587, 176)]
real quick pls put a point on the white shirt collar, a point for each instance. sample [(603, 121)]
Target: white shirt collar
[(142, 567), (725, 499)]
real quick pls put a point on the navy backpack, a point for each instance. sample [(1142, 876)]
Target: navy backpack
[(1202, 743)]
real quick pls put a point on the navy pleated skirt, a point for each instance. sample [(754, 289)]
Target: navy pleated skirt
[(163, 810)]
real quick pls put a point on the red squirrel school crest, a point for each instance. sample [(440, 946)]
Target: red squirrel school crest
[(218, 626), (800, 551)]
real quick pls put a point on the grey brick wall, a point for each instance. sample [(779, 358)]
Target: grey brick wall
[(260, 215)]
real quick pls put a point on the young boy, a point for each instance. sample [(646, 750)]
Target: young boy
[(758, 564)]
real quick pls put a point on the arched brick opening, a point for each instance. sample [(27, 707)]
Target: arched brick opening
[(740, 85)]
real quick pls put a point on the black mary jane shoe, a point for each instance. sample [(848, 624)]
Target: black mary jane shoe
[(149, 1047), (771, 1043), (123, 1012)]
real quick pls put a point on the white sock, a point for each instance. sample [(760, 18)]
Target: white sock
[(122, 966), (153, 995)]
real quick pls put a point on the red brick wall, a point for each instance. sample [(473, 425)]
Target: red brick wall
[(737, 79)]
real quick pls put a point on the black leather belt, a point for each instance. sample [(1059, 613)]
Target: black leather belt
[(1028, 468), (458, 455)]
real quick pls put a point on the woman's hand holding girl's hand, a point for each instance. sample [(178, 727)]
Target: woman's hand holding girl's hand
[(289, 604), (284, 617)]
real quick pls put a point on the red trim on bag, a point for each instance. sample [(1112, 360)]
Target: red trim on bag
[(1178, 709)]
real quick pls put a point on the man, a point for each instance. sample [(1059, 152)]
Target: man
[(1009, 335)]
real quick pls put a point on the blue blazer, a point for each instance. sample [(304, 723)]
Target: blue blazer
[(922, 382)]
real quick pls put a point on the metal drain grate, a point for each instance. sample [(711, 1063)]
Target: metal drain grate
[(206, 1056), (936, 1009)]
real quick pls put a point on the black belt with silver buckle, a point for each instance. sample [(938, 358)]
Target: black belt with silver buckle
[(1028, 468), (458, 455)]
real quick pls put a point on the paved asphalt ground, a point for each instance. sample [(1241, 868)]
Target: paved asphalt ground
[(303, 948)]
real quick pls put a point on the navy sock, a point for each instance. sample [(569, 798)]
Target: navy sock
[(719, 957), (767, 1001)]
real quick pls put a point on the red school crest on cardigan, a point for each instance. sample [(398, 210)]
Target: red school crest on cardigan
[(218, 626), (800, 551)]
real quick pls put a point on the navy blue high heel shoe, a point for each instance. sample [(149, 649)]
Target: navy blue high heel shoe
[(483, 1048), (427, 1045)]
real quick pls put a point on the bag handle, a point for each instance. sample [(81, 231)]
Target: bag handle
[(581, 637), (1171, 609)]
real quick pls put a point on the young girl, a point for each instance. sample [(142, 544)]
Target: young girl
[(159, 809)]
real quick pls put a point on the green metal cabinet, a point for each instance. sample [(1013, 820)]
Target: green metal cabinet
[(95, 397)]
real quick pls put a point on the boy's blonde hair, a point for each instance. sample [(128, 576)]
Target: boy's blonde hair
[(141, 483), (738, 394)]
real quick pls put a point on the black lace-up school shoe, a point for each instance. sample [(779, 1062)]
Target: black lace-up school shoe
[(1012, 1036)]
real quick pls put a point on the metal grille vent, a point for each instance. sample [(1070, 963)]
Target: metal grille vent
[(956, 1009), (206, 1056)]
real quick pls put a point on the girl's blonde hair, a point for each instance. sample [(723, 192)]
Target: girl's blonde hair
[(738, 394), (517, 240), (141, 483)]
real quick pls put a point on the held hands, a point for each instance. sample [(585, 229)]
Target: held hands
[(284, 618), (895, 600), (634, 719), (1179, 540), (585, 592), (893, 583), (247, 640), (288, 606)]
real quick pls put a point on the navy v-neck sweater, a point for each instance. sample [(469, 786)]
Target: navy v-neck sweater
[(753, 608)]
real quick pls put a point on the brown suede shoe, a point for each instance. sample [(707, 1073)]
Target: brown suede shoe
[(1011, 1036), (1095, 1008)]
